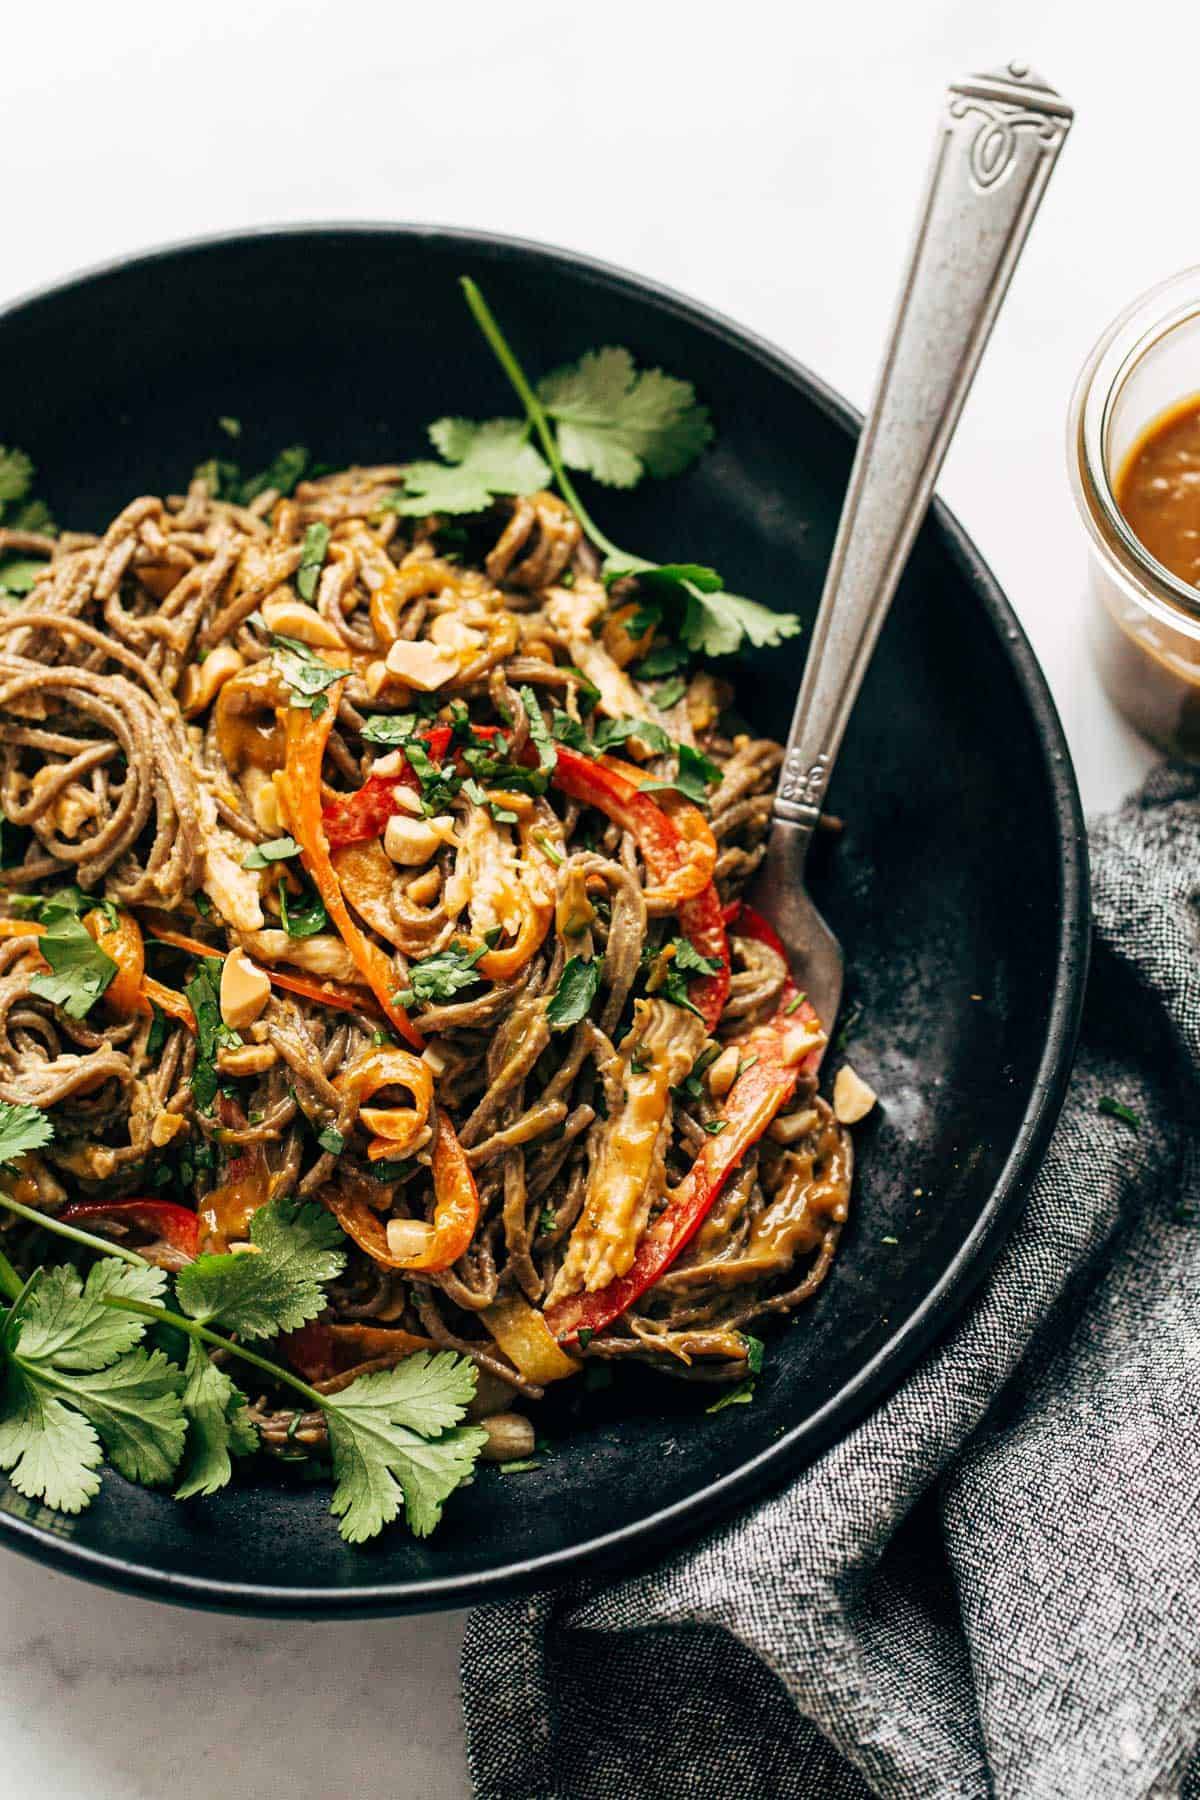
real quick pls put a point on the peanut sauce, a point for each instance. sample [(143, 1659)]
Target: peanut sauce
[(1158, 489)]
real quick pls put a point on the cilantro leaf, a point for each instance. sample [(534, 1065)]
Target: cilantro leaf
[(1116, 1109), (741, 1395), (542, 741), (16, 474), (134, 1405), (384, 1453), (442, 975), (611, 732), (697, 773), (218, 1427), (212, 1033), (277, 850), (22, 1128), (714, 623), (312, 556), (49, 1452), (572, 999), (277, 1289), (80, 969), (282, 473), (389, 728), (307, 675), (670, 693), (618, 423), (66, 1322), (481, 460), (685, 963), (754, 1352), (18, 575), (570, 732), (303, 917), (74, 1381)]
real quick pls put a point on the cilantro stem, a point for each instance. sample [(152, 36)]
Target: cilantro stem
[(535, 413), (10, 1282), (56, 1226), (145, 1309)]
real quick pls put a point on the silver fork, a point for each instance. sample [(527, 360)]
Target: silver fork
[(997, 143)]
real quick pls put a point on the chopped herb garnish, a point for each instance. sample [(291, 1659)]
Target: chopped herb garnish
[(276, 850), (519, 1468), (543, 743), (670, 693), (585, 1335), (548, 1219), (715, 1127), (441, 976), (312, 556), (212, 1033), (754, 1352), (22, 1128), (571, 732), (390, 728), (794, 1004), (611, 732), (741, 1395), (1115, 1109), (307, 675), (80, 970), (331, 1140), (302, 916), (572, 999)]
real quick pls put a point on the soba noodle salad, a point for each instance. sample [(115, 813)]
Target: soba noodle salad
[(384, 1036)]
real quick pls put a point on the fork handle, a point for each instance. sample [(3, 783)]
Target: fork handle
[(999, 137)]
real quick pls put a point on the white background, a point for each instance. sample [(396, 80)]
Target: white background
[(764, 158)]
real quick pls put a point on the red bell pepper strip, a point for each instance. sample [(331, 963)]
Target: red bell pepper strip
[(357, 818), (758, 1094), (175, 1225), (318, 1351), (667, 853)]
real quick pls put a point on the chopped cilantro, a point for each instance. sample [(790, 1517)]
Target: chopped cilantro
[(276, 850), (572, 999), (312, 556)]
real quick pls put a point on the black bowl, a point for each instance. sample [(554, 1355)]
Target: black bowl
[(959, 888)]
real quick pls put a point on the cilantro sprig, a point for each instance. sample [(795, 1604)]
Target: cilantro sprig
[(78, 1383), (307, 675), (617, 423)]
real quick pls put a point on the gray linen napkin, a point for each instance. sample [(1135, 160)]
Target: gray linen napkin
[(992, 1586)]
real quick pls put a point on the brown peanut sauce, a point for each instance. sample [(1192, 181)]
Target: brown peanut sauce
[(1158, 489)]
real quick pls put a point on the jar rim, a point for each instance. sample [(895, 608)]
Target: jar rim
[(1144, 323)]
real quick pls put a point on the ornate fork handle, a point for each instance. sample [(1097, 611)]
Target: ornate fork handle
[(995, 151)]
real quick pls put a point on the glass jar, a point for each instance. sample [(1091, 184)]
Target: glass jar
[(1145, 621)]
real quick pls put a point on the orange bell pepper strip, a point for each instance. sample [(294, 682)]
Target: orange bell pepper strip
[(775, 1055), (527, 1341), (10, 928), (300, 785), (455, 1211), (123, 943), (395, 1128)]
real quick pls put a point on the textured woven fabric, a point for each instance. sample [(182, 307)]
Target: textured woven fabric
[(1004, 1594)]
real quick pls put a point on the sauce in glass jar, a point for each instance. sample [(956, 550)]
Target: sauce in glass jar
[(1134, 461), (1158, 490)]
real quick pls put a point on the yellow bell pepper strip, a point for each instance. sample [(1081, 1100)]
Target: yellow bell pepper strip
[(775, 1055), (300, 787), (395, 1129), (527, 1341)]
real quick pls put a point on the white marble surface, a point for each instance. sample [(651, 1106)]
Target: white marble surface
[(765, 158)]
